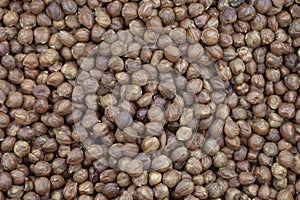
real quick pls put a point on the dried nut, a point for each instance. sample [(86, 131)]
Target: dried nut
[(135, 168), (161, 163)]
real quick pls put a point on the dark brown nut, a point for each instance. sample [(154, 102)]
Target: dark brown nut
[(123, 179), (270, 149), (66, 38), (275, 120), (154, 178), (22, 117), (183, 188), (179, 155), (140, 77), (21, 148), (42, 168), (171, 178), (114, 8), (31, 61), (50, 146), (220, 160), (231, 129), (161, 191), (18, 176), (4, 120), (55, 79), (48, 57), (129, 10), (56, 181), (256, 142), (246, 178), (173, 112), (75, 156), (65, 89), (42, 186), (246, 13), (9, 161), (130, 134), (63, 107), (161, 163), (228, 15), (70, 190), (86, 188), (214, 51), (25, 36), (278, 171), (232, 193), (141, 180), (154, 23), (260, 126), (52, 120), (286, 110), (167, 88), (150, 144), (103, 19), (264, 192), (292, 81), (69, 70), (59, 25), (9, 62), (284, 194), (210, 36), (11, 18), (43, 20), (15, 191), (195, 51), (253, 39), (193, 166), (7, 144), (284, 19), (69, 7), (195, 9), (54, 11), (287, 131), (85, 17), (14, 100), (274, 101), (296, 166), (108, 176), (144, 192), (27, 20), (286, 159), (82, 35), (263, 174), (15, 76), (225, 40), (131, 92), (135, 168), (267, 36), (259, 22), (41, 105), (130, 149), (167, 16), (178, 35), (5, 181), (80, 176), (172, 53)]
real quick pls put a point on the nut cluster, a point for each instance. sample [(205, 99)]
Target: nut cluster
[(151, 99)]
